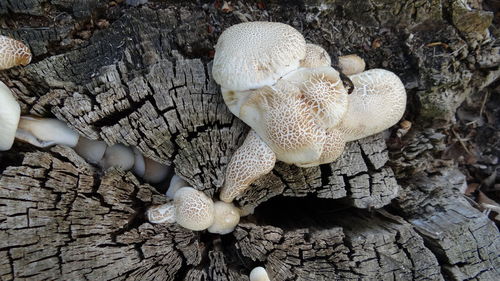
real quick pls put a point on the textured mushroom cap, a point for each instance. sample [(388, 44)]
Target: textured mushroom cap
[(9, 117), (118, 156), (175, 184), (316, 56), (323, 93), (377, 102), (226, 217), (193, 209), (251, 55), (332, 149), (44, 132), (259, 274), (351, 64), (155, 172), (281, 118), (90, 150), (139, 163), (253, 159), (13, 53), (161, 214)]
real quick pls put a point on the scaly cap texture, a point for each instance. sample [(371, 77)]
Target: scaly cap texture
[(13, 53), (253, 159), (9, 117), (161, 214), (251, 55), (377, 102), (193, 209), (316, 56)]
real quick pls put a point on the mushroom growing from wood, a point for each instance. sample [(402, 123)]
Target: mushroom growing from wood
[(294, 101), (259, 274), (13, 53)]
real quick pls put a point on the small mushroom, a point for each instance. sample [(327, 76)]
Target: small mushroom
[(175, 184), (251, 55), (90, 150), (351, 64), (259, 274), (45, 132), (161, 214), (139, 163), (119, 156), (155, 172), (226, 217), (193, 209), (253, 159), (13, 53)]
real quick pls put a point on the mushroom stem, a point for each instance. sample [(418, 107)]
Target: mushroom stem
[(45, 132), (250, 161)]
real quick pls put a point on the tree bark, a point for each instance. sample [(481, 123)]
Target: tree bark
[(141, 76)]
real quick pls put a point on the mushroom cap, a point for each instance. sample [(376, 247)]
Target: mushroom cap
[(161, 214), (226, 217), (351, 64), (13, 53), (175, 184), (377, 102), (155, 172), (316, 56), (281, 118), (44, 132), (251, 55), (259, 274), (90, 150), (118, 156), (332, 149), (10, 111), (193, 209), (323, 93)]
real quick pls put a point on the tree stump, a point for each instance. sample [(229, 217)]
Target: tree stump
[(141, 76)]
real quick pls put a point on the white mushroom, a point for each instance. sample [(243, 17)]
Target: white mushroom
[(351, 64), (316, 56), (251, 55), (193, 209), (259, 274), (13, 53), (226, 217), (161, 214), (377, 102), (9, 117), (45, 132), (119, 156), (90, 150)]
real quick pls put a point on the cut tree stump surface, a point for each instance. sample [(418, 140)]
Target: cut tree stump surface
[(141, 76)]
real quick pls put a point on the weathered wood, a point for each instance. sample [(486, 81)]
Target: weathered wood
[(144, 80)]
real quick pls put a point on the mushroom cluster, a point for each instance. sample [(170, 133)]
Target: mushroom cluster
[(45, 132), (298, 108)]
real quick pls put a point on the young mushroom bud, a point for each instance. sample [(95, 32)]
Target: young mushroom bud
[(259, 274), (90, 150), (193, 209), (9, 117), (119, 156), (161, 214), (351, 64), (226, 217), (316, 56), (45, 132), (13, 53), (175, 184), (251, 55)]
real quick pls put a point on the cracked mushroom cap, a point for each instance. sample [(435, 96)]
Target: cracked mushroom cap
[(285, 123), (226, 217), (251, 55), (259, 274), (161, 214), (194, 210), (13, 53), (377, 102), (316, 56), (323, 93), (45, 132), (10, 113)]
